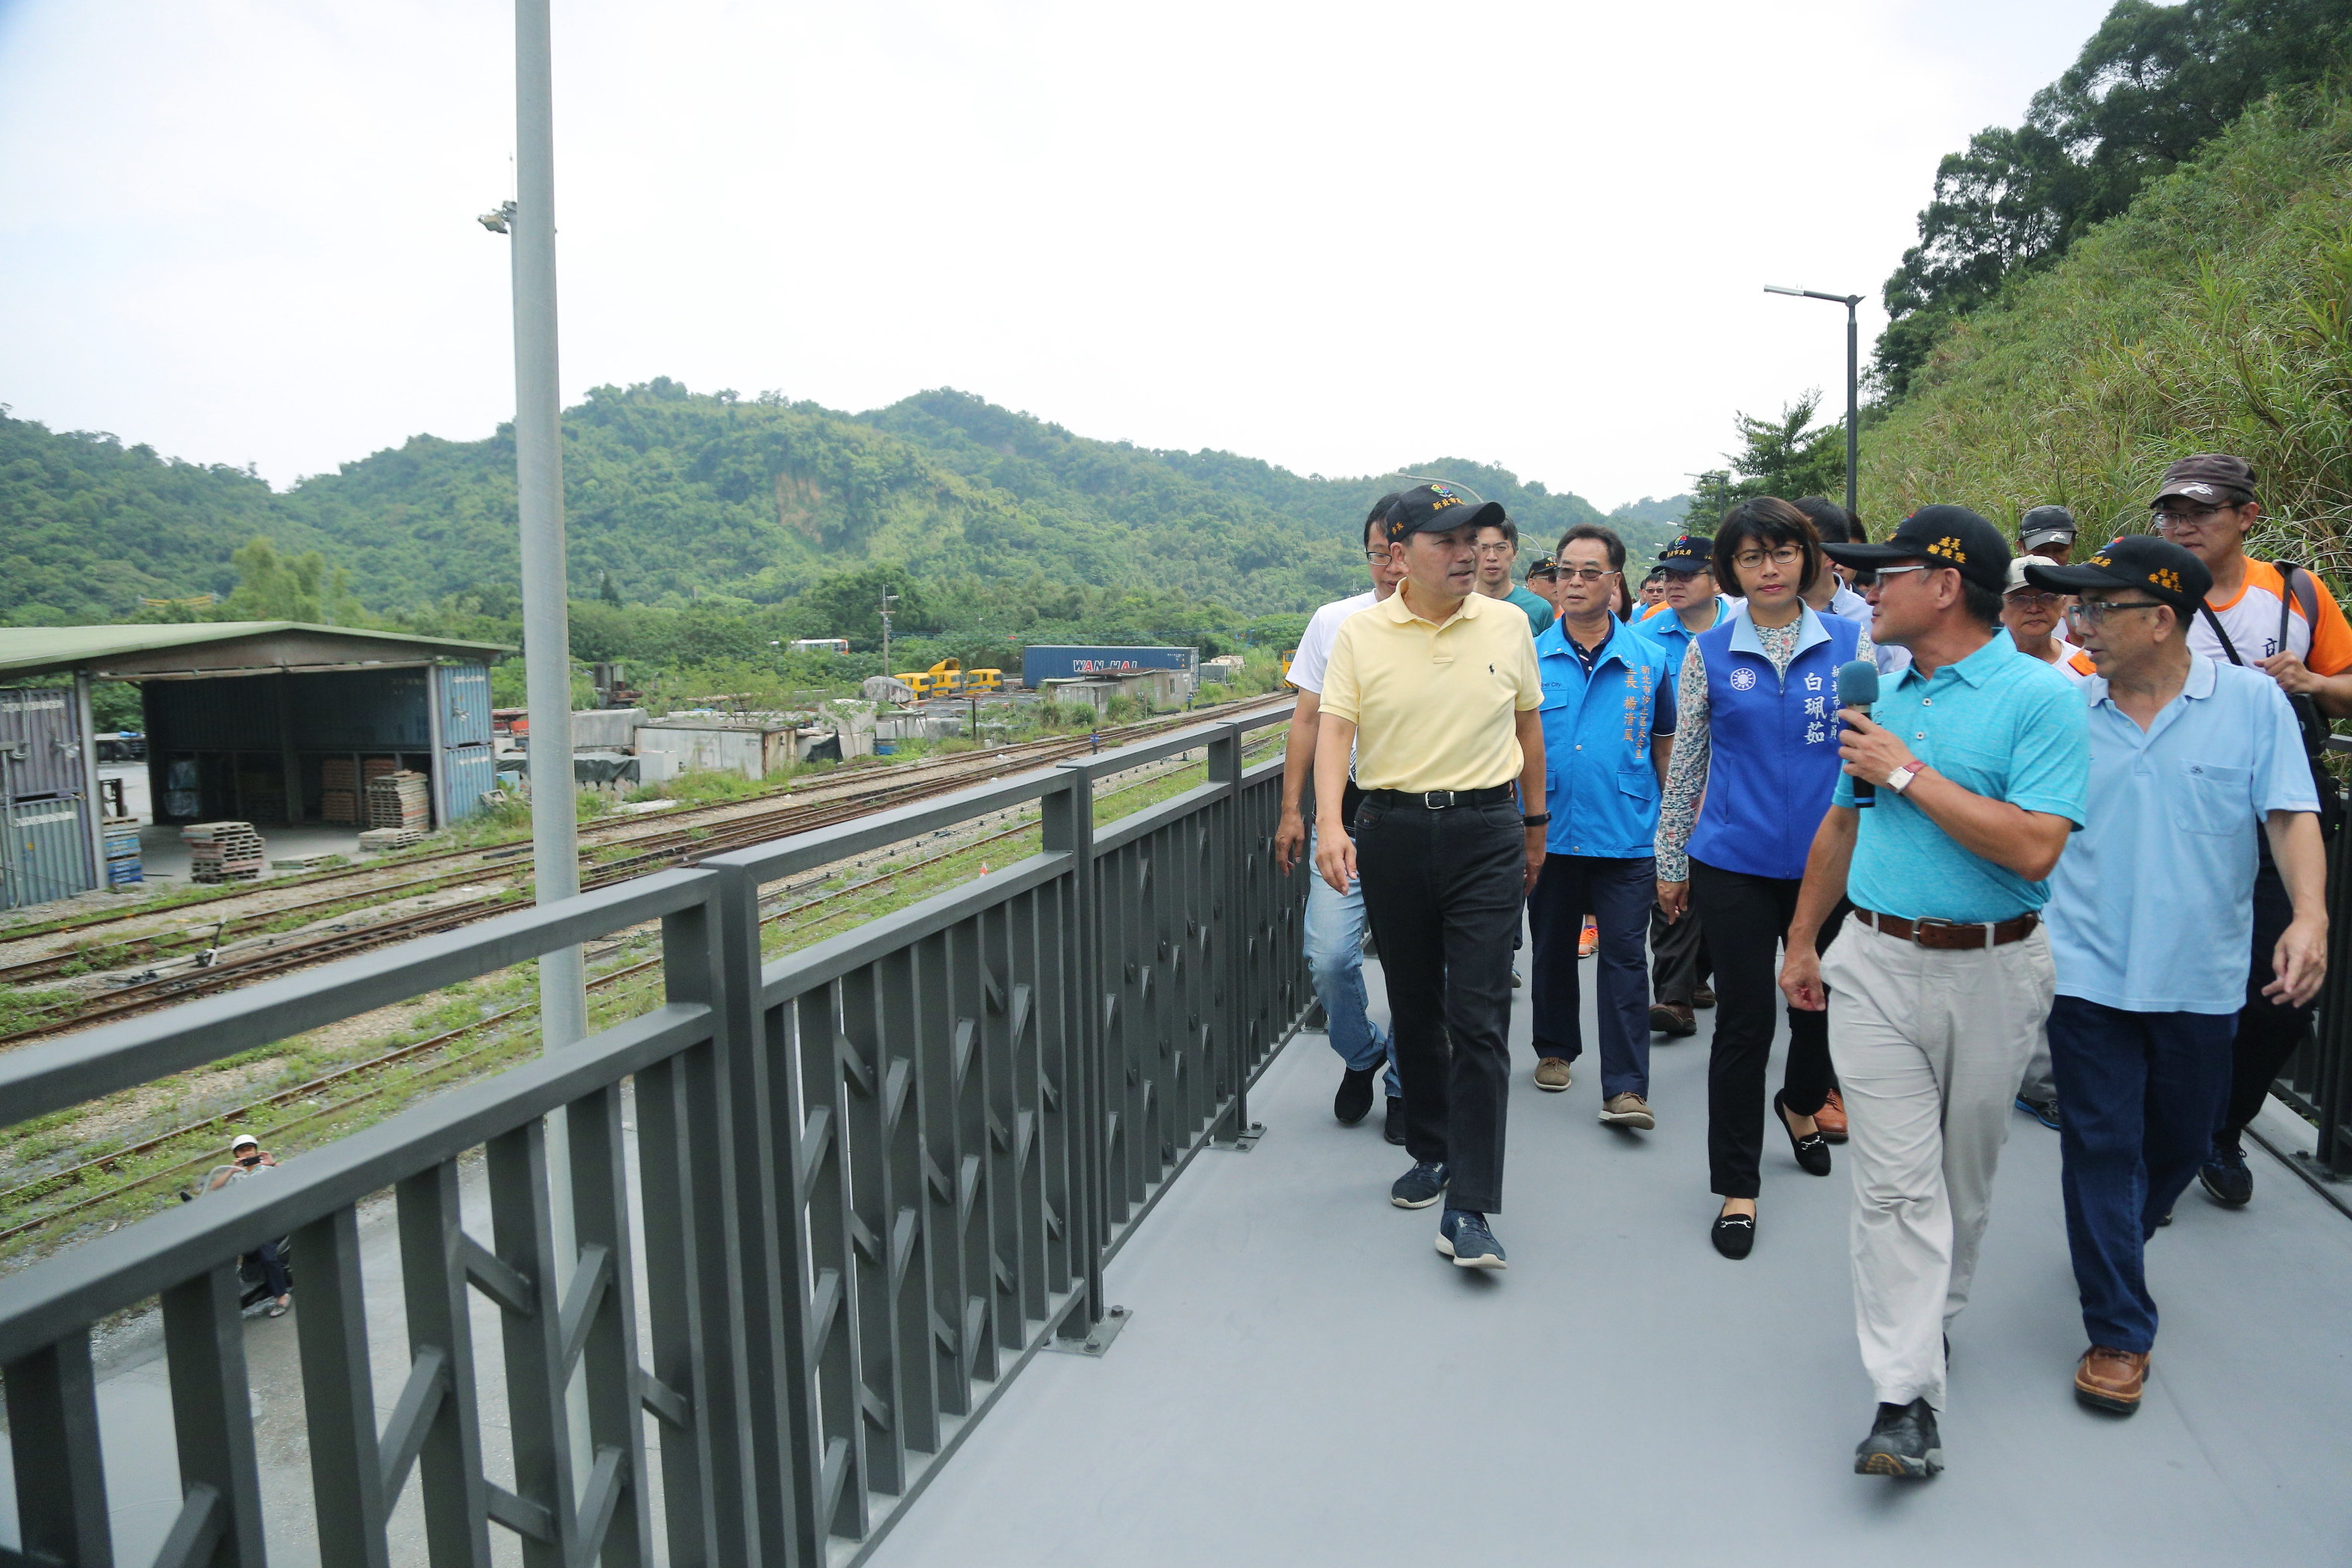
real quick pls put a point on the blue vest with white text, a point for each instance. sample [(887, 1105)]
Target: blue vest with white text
[(1774, 743)]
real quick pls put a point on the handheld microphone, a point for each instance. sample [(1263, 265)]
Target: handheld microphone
[(1857, 687)]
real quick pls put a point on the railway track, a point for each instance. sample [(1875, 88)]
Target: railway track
[(668, 847), (786, 906)]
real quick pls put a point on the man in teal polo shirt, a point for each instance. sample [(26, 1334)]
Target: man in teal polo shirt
[(2151, 921), (1606, 696), (1679, 961), (1940, 982)]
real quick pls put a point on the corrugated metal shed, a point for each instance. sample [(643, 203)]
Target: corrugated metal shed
[(135, 653), (40, 743)]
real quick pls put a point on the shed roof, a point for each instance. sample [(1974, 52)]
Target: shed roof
[(219, 647)]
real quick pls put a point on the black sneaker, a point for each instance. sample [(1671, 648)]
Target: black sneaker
[(1902, 1442), (2045, 1112), (1419, 1187), (2226, 1177), (1463, 1236), (1392, 1129), (1354, 1101)]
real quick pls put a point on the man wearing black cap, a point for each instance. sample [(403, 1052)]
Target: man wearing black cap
[(1939, 983), (2279, 618), (2047, 531), (1679, 961), (1437, 692), (2151, 910)]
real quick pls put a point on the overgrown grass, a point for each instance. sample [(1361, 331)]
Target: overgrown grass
[(2214, 315)]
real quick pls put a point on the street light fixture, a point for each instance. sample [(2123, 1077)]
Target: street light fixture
[(1853, 375)]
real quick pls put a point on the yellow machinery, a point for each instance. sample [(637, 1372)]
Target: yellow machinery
[(947, 678), (918, 681), (983, 680), (1287, 655)]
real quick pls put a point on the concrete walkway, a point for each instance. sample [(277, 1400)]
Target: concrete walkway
[(1305, 1382)]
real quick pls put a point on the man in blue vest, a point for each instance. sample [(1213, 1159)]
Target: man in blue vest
[(1679, 958), (1605, 695)]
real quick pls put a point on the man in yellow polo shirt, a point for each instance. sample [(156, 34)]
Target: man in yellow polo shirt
[(1435, 691)]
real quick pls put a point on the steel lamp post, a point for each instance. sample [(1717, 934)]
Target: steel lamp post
[(1853, 375)]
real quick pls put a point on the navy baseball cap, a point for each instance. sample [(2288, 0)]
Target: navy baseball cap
[(2157, 567), (1436, 509), (1689, 552), (1944, 536)]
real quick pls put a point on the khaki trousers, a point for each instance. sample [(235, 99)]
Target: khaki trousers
[(1928, 1045)]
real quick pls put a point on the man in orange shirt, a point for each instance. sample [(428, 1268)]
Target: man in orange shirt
[(2280, 618)]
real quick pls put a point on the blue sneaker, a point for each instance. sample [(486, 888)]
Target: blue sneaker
[(1419, 1187), (2045, 1112), (1463, 1235)]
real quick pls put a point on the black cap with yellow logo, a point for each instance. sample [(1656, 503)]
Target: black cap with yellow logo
[(1942, 536), (2157, 567), (1435, 508)]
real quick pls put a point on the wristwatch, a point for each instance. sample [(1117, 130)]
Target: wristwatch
[(1900, 779)]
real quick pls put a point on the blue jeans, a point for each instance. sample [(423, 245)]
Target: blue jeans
[(1618, 895), (1335, 957), (2140, 1092)]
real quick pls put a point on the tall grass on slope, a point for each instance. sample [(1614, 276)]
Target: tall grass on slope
[(2214, 315)]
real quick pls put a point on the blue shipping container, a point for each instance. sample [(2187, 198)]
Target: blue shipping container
[(465, 690), (1041, 664), (467, 774), (44, 852)]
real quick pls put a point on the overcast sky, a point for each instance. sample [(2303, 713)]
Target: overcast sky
[(1338, 237)]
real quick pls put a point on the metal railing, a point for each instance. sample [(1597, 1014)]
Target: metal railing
[(872, 1180), (2317, 1079)]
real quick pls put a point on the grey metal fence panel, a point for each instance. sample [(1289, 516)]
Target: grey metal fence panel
[(874, 1178)]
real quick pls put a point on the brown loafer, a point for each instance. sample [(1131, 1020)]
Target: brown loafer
[(1672, 1019), (1830, 1120), (2111, 1379), (1552, 1074)]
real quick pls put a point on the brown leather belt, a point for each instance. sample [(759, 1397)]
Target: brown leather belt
[(1946, 934)]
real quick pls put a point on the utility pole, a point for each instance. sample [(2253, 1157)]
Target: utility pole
[(1852, 376), (890, 604)]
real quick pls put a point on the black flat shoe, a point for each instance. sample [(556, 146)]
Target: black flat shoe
[(1354, 1101), (1812, 1151), (1734, 1235)]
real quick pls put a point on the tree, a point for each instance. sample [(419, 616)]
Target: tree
[(1787, 457), (271, 588), (2151, 86)]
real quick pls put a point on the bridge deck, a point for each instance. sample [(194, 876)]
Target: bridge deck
[(1305, 1381)]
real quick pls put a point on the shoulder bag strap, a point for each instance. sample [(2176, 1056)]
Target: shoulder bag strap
[(2215, 622)]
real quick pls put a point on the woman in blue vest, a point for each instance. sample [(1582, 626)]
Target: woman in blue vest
[(1755, 762)]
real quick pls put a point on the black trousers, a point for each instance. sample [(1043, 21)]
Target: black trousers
[(1442, 891), (2267, 1033), (1679, 958), (1747, 917)]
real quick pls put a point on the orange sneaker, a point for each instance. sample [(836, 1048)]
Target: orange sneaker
[(1589, 942), (1830, 1120)]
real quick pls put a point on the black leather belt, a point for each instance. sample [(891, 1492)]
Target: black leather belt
[(1442, 799)]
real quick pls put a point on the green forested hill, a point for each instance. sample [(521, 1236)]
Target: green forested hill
[(673, 496), (2215, 314)]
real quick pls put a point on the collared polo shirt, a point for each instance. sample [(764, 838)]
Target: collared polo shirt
[(1997, 724), (1600, 785), (2151, 908), (1434, 706), (1539, 614)]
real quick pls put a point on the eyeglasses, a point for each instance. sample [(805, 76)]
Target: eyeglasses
[(2034, 601), (1674, 574), (1884, 573), (1500, 547), (1585, 573), (1787, 556), (2191, 517), (2090, 612)]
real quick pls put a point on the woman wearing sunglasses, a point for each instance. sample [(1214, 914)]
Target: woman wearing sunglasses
[(1755, 762)]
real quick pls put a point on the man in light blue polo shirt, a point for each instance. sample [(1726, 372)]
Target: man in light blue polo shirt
[(2152, 920), (1606, 696), (1976, 765)]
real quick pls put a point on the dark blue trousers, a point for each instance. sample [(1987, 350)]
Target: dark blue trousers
[(1617, 894), (2141, 1090)]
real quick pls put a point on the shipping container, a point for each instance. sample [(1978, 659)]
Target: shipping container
[(40, 742), (1040, 663), (45, 853), (361, 710), (467, 774)]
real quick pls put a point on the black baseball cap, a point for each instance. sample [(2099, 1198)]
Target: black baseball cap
[(1943, 536), (2157, 567), (1541, 564), (2208, 477), (1689, 552), (2045, 525), (1435, 508)]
